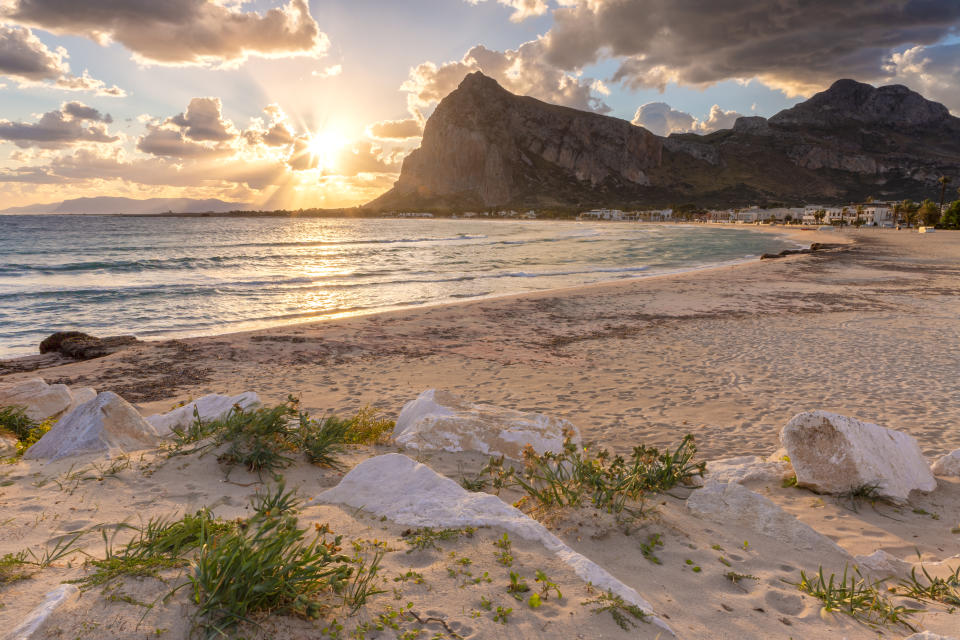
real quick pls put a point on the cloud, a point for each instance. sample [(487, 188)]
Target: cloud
[(523, 71), (933, 71), (798, 47), (396, 129), (522, 9), (24, 58), (180, 32), (203, 120), (164, 141), (328, 72), (72, 124), (662, 119)]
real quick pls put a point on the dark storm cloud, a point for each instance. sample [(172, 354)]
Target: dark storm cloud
[(791, 44), (179, 31), (58, 129)]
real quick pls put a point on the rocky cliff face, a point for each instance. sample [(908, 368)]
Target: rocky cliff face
[(486, 147)]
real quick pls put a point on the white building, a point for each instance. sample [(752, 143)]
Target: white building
[(601, 214)]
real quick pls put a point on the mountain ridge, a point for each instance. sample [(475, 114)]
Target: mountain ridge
[(486, 147), (110, 205)]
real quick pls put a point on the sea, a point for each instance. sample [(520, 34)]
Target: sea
[(163, 277)]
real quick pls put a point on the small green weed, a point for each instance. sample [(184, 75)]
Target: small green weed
[(623, 613), (517, 586), (504, 557), (943, 590), (502, 615), (648, 548), (546, 585), (427, 537)]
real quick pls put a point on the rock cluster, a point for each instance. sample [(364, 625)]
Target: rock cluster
[(81, 346)]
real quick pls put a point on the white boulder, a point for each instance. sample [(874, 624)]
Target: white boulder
[(107, 423), (948, 465), (412, 494), (745, 469), (438, 419), (39, 399), (734, 504), (81, 396), (929, 635), (881, 565), (836, 454), (210, 407)]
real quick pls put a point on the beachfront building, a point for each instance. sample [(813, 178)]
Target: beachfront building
[(602, 214)]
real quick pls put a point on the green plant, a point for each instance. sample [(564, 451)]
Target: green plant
[(410, 576), (13, 567), (517, 586), (504, 557), (266, 565), (427, 537), (546, 585), (735, 577), (647, 548), (623, 613), (534, 601), (865, 492), (856, 598), (369, 426), (944, 590), (485, 603), (502, 615), (323, 440), (474, 484), (572, 477), (15, 421), (364, 582)]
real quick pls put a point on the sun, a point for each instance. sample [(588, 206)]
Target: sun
[(325, 146)]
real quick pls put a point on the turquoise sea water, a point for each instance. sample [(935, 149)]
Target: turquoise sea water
[(167, 277)]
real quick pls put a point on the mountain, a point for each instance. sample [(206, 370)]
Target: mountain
[(108, 205), (486, 147)]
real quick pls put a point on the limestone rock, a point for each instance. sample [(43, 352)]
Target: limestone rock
[(746, 469), (836, 454), (210, 407), (34, 621), (81, 396), (412, 494), (41, 400), (106, 424), (929, 635), (948, 465), (881, 565), (441, 420), (8, 445), (734, 504)]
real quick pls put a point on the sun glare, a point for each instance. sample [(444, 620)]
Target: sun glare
[(325, 146)]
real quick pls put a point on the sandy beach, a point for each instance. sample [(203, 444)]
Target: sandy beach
[(866, 328)]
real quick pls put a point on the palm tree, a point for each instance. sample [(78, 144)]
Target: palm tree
[(944, 181)]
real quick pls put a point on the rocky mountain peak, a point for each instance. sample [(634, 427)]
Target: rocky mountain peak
[(848, 100)]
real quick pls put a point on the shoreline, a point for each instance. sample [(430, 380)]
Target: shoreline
[(802, 238)]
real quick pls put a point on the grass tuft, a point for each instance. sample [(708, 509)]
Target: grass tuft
[(854, 596)]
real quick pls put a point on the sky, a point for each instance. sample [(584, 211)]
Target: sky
[(314, 103)]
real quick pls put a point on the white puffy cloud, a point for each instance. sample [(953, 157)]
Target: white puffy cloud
[(799, 47), (26, 59), (523, 71), (203, 120), (522, 9), (933, 71), (662, 119), (74, 123), (179, 32)]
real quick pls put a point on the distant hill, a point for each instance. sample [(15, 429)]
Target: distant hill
[(486, 147), (108, 205)]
